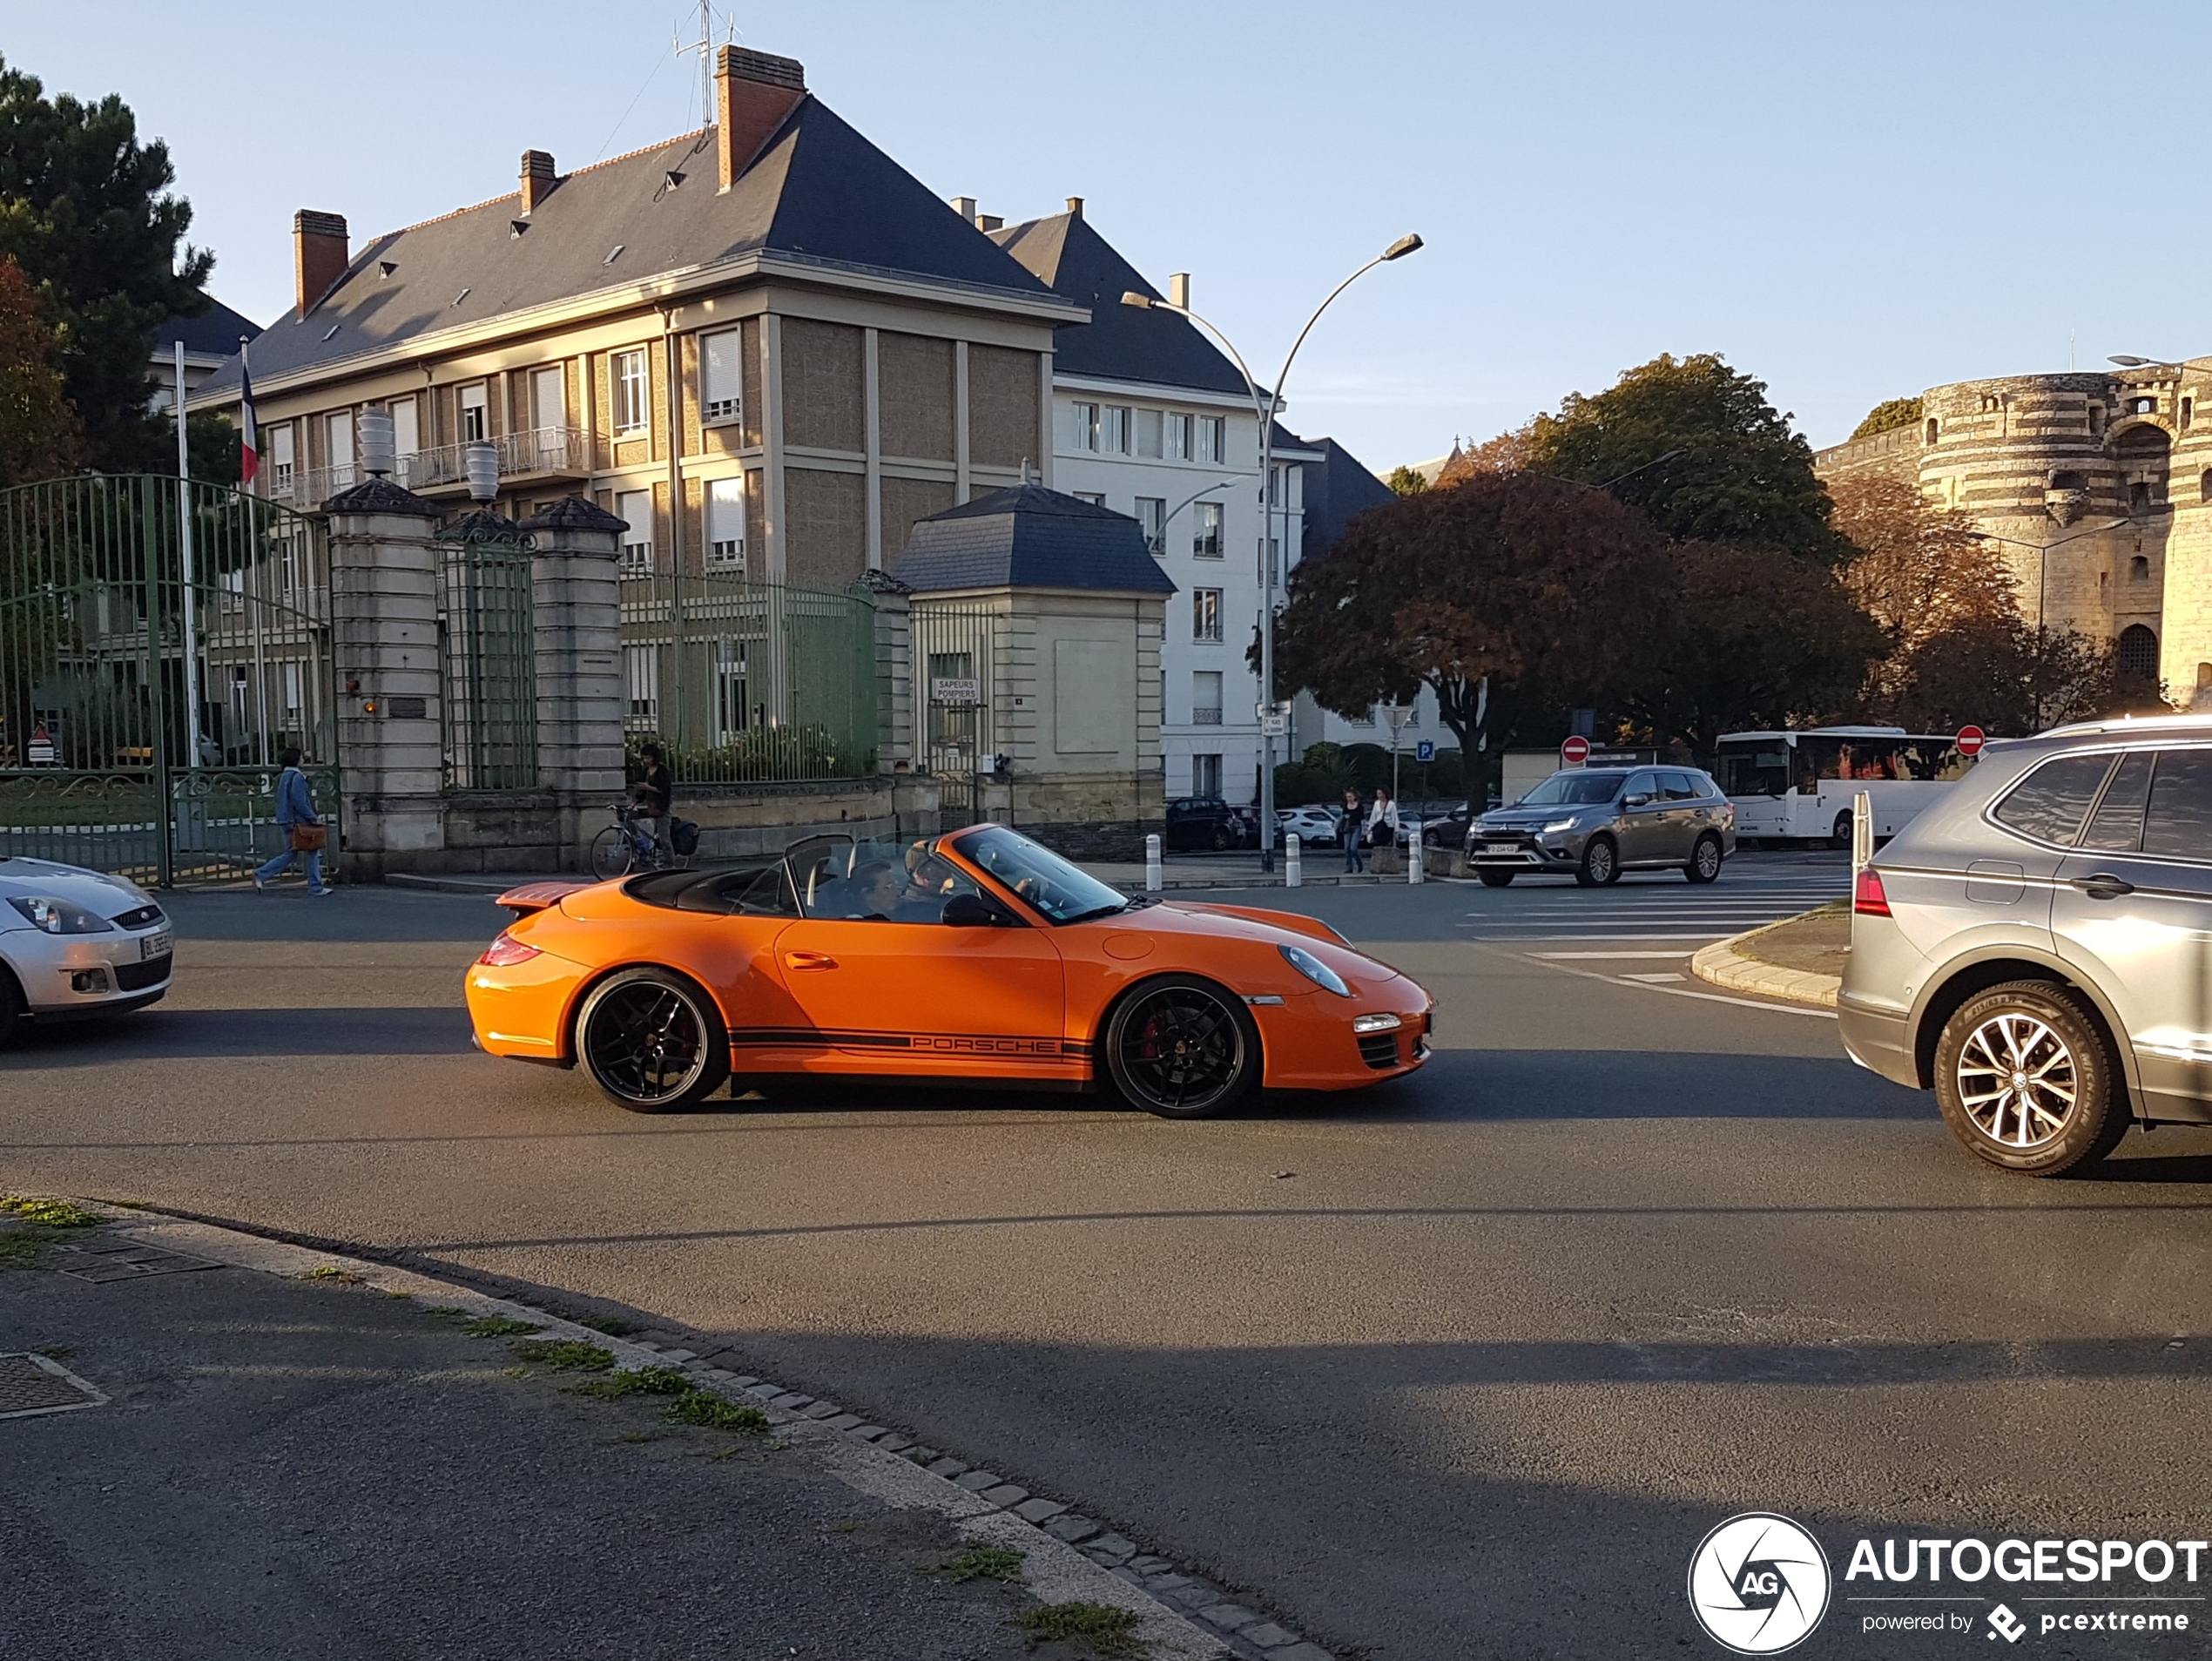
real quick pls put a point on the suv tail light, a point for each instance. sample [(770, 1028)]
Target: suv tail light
[(1867, 898)]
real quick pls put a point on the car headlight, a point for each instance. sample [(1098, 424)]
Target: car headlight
[(59, 918), (1314, 969), (1375, 1024), (1558, 825)]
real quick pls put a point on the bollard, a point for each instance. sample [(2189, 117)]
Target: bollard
[(1293, 874), (1413, 872), (1152, 863)]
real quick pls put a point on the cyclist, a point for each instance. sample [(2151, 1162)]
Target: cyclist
[(654, 795)]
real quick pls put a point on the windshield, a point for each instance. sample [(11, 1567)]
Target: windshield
[(1760, 768), (1574, 789), (1059, 890)]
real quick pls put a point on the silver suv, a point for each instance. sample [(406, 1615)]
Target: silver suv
[(2037, 946), (1593, 823)]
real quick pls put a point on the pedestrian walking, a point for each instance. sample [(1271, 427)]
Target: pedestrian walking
[(655, 793), (1355, 857), (1382, 819), (300, 826)]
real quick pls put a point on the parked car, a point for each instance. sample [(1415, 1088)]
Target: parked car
[(1593, 823), (1204, 822), (76, 943), (1314, 826), (976, 954), (2032, 947), (1440, 824)]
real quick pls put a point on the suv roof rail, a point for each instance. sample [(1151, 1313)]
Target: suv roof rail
[(2130, 724)]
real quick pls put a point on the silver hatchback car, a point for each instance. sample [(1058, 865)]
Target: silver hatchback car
[(2037, 946), (1593, 823)]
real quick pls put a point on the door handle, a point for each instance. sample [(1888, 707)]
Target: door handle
[(809, 960), (2102, 885)]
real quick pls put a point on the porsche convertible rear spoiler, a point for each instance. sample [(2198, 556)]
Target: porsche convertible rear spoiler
[(536, 897)]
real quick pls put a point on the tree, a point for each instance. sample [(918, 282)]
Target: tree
[(39, 436), (1507, 453), (1890, 413), (2004, 674), (1918, 569), (1529, 587), (1734, 472), (1406, 481), (86, 209)]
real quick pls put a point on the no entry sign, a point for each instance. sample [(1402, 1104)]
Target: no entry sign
[(1970, 741), (1575, 750)]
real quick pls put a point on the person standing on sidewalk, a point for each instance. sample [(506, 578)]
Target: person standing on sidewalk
[(1382, 819), (300, 825), (655, 795), (1354, 859)]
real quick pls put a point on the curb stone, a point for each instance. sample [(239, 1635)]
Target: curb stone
[(1103, 1568), (1722, 966)]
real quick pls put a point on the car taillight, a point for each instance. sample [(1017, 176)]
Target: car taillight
[(1867, 898), (506, 950)]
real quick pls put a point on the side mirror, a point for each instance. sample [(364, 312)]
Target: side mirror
[(1636, 802), (969, 911)]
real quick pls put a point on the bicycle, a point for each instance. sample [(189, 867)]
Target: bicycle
[(627, 845)]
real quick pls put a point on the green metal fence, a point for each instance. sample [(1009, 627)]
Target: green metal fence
[(487, 660), (746, 681), (141, 715)]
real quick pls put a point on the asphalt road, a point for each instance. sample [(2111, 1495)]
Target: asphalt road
[(1463, 1366)]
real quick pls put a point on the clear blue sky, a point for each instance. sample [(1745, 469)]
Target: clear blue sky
[(1851, 200)]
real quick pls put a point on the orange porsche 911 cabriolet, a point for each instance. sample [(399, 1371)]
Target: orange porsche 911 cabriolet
[(976, 955)]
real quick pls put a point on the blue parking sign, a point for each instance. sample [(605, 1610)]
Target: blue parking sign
[(1425, 751)]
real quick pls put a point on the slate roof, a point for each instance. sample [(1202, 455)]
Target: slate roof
[(1119, 342), (213, 334), (1027, 536), (817, 192), (1338, 489)]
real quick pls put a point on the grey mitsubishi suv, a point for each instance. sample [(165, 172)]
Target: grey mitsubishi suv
[(2037, 946), (1593, 823)]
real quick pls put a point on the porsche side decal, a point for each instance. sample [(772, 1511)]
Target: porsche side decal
[(929, 1043)]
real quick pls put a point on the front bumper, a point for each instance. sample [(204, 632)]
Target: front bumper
[(1309, 1042), (1521, 850), (65, 976)]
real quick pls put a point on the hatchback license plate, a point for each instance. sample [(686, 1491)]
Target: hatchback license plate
[(156, 945)]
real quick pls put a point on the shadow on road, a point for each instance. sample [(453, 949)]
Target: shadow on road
[(184, 1034)]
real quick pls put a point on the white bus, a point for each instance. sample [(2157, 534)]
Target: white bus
[(1798, 785)]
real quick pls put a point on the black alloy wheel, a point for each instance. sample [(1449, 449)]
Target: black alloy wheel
[(652, 1040), (12, 1021), (1492, 877), (1705, 859), (1182, 1048), (1601, 865)]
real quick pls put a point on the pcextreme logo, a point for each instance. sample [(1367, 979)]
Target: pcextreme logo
[(1759, 1584)]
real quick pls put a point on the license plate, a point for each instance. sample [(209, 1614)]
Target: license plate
[(156, 945), (1501, 847)]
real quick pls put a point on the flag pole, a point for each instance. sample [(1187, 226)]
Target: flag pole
[(191, 614)]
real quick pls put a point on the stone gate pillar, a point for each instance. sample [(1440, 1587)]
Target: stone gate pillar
[(895, 669), (384, 641), (577, 620)]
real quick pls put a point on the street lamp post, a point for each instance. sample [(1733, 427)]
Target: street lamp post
[(1264, 411)]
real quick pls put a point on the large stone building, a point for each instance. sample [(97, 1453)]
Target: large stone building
[(2098, 489)]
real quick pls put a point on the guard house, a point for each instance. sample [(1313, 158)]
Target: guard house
[(1037, 626)]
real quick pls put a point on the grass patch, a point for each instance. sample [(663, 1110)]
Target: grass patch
[(710, 1411), (498, 1326), (852, 1526), (564, 1355), (982, 1563), (49, 1214), (613, 1325), (1101, 1628), (643, 1380), (20, 1248)]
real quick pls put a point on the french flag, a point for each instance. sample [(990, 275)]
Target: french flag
[(249, 443)]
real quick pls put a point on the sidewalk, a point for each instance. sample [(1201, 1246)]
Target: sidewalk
[(233, 1447)]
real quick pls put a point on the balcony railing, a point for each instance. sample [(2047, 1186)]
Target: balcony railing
[(539, 453)]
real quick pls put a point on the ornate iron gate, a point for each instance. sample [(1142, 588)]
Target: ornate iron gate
[(141, 716), (951, 656), (487, 659)]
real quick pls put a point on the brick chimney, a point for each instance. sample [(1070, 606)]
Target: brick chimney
[(538, 178), (318, 254), (753, 92)]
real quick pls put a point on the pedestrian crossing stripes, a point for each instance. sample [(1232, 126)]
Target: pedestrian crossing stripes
[(1653, 912)]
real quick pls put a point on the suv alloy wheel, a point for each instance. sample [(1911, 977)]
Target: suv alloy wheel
[(2026, 1079)]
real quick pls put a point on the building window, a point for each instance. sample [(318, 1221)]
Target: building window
[(1205, 537), (2143, 406), (1213, 444), (406, 433), (2096, 422), (1178, 438), (2139, 568), (637, 506), (1206, 775), (732, 711), (1205, 697), (2189, 410), (280, 461), (340, 427), (473, 430), (2139, 496), (725, 524), (1931, 429), (629, 379), (549, 397), (1205, 614), (1113, 431), (1152, 512), (641, 672), (1097, 498), (1083, 426), (1152, 434), (721, 383)]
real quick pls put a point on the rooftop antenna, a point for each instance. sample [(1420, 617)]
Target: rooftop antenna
[(704, 47)]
